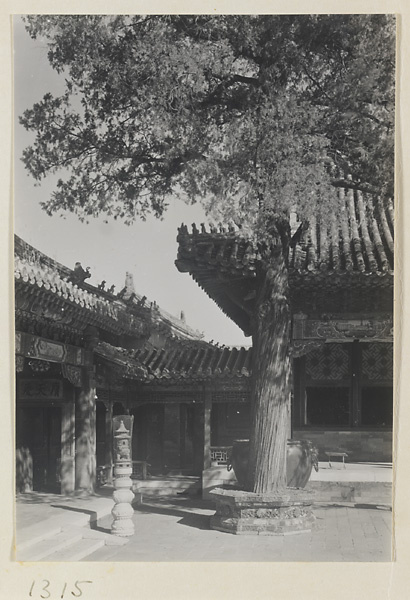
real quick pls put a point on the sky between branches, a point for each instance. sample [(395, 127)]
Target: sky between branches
[(147, 250)]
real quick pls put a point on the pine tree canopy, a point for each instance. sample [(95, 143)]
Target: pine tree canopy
[(240, 112)]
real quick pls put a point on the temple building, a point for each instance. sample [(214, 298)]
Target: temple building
[(84, 354), (341, 297)]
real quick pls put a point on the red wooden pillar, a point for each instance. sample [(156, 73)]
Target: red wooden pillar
[(207, 429), (67, 471), (85, 447), (108, 441)]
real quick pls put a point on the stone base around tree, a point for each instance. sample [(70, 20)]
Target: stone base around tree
[(247, 513)]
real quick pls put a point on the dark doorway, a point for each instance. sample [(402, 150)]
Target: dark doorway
[(100, 433), (39, 430), (148, 436), (377, 407), (192, 437), (170, 437), (328, 406)]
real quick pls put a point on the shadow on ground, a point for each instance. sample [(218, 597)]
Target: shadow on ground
[(54, 498), (190, 511)]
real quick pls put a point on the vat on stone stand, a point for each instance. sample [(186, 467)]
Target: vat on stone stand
[(301, 457)]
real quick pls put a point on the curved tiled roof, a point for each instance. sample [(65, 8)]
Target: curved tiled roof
[(181, 361), (52, 282), (353, 248), (359, 239), (36, 274)]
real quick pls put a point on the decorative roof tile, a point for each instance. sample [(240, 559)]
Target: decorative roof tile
[(36, 273), (359, 240), (181, 361), (350, 249)]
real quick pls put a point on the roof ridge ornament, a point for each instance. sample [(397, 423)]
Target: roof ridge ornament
[(79, 275)]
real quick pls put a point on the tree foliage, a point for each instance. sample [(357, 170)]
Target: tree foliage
[(241, 112)]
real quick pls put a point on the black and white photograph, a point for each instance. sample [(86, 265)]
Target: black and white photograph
[(203, 288)]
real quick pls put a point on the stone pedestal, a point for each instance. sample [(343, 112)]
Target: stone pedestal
[(246, 513), (123, 496)]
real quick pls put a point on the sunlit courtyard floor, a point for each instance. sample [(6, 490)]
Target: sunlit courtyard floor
[(177, 529)]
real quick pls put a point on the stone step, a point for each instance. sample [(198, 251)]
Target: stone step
[(69, 524), (65, 539), (167, 486), (95, 508), (108, 538), (29, 536), (49, 545), (47, 528), (105, 553), (76, 551)]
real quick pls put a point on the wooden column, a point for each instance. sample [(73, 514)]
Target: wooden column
[(207, 428), (108, 441), (292, 399), (355, 417), (171, 436), (301, 391), (182, 435), (67, 472), (85, 448)]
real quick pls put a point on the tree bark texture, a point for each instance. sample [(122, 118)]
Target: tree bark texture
[(271, 379)]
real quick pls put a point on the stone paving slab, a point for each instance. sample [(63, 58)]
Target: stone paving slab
[(177, 529), (364, 472)]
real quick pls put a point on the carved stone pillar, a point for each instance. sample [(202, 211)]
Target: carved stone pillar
[(123, 495)]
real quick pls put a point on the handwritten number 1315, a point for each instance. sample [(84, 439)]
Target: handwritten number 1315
[(45, 591)]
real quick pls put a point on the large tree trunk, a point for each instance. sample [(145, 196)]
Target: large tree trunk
[(271, 379)]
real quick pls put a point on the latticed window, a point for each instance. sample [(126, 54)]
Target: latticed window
[(376, 409), (348, 384), (377, 361), (330, 362)]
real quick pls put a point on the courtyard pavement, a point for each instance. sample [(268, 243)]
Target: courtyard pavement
[(177, 529)]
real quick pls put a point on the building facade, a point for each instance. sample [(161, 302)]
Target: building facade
[(71, 378), (341, 298), (84, 354)]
